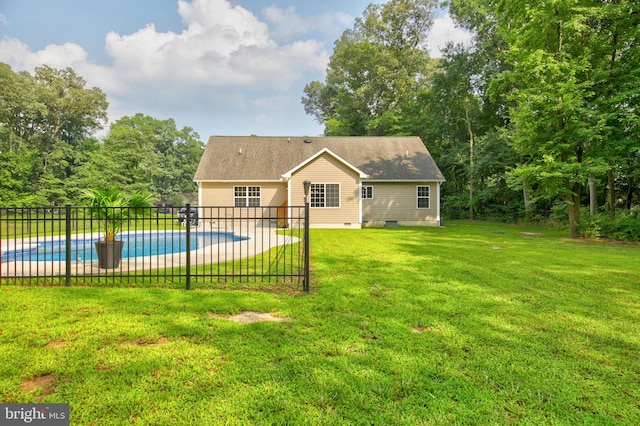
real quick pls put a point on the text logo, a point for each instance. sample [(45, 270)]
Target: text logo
[(34, 414)]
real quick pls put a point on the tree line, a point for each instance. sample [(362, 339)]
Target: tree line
[(48, 154), (536, 120)]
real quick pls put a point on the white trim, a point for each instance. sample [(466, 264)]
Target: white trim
[(339, 206), (360, 203), (335, 225), (438, 205), (362, 186), (361, 174), (200, 211), (418, 197), (247, 197), (403, 180), (240, 181)]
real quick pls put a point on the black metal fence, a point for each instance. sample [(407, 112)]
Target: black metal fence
[(193, 247)]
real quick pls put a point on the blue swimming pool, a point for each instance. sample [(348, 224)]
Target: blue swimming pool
[(135, 245)]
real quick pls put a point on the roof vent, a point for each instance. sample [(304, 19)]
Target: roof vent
[(307, 141)]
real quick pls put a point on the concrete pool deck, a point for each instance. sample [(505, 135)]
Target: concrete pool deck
[(259, 240)]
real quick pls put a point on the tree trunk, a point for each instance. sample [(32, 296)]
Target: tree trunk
[(466, 111), (593, 196), (527, 204), (612, 194), (630, 191), (573, 206)]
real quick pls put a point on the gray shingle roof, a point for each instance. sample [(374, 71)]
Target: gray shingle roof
[(258, 158)]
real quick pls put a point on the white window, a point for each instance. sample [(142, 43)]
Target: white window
[(367, 192), (325, 195), (246, 196), (423, 197)]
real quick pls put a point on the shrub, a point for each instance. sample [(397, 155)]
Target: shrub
[(625, 227)]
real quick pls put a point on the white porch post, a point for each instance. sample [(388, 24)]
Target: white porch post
[(200, 211), (438, 205), (289, 202), (360, 202)]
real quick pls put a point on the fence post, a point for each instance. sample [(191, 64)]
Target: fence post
[(188, 225), (306, 247), (306, 184), (67, 254)]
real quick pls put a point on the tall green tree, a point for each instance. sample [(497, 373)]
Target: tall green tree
[(553, 55), (376, 69), (460, 124), (381, 82), (70, 112), (19, 108), (616, 72), (565, 75), (45, 118), (144, 154)]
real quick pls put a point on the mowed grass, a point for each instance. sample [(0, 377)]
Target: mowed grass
[(473, 323)]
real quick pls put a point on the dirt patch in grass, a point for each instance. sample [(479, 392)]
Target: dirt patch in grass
[(102, 366), (147, 342), (531, 234), (423, 329), (249, 317), (56, 344), (289, 288), (44, 385)]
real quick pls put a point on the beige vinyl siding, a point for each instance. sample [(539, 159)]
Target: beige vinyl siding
[(220, 194), (398, 202), (328, 169)]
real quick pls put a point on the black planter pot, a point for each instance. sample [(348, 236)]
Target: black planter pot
[(109, 253)]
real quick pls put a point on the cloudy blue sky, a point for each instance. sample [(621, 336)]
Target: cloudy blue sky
[(222, 67)]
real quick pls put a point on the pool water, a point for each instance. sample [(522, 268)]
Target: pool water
[(135, 245)]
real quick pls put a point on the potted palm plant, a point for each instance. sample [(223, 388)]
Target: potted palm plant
[(112, 208)]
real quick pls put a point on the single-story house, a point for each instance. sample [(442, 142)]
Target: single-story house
[(355, 181)]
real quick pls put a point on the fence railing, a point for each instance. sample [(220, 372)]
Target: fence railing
[(193, 247)]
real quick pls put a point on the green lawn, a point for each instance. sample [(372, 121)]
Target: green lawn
[(473, 323)]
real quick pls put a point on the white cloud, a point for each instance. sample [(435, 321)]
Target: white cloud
[(222, 46), (20, 56), (443, 31), (212, 67), (226, 69), (287, 23)]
